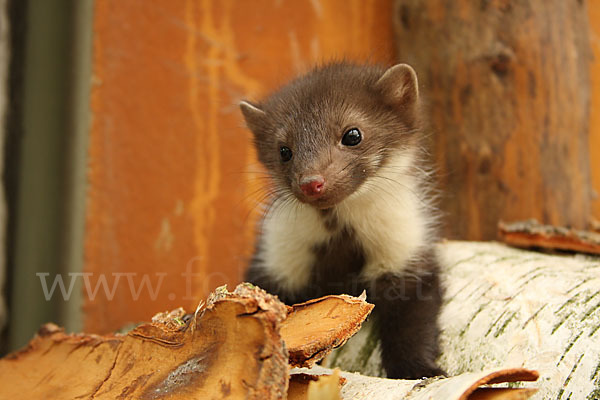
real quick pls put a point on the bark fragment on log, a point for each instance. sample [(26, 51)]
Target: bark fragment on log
[(501, 394), (314, 328), (531, 233)]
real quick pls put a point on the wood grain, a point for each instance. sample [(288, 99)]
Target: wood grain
[(509, 91), (171, 187)]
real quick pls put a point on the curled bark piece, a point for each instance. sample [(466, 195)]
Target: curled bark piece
[(314, 328), (530, 233), (230, 348)]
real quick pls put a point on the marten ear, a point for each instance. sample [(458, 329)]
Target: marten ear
[(399, 86), (254, 116)]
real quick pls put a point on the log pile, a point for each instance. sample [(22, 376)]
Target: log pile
[(244, 344)]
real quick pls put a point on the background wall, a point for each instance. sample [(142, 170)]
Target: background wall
[(169, 184), (146, 189)]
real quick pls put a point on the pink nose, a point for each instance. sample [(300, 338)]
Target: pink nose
[(312, 185)]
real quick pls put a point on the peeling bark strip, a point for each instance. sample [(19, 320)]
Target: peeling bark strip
[(506, 307), (530, 233), (313, 329), (231, 348)]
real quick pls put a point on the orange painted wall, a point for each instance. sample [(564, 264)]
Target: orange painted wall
[(169, 187), (594, 11)]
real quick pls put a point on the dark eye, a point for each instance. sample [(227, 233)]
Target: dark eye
[(352, 137), (286, 153)]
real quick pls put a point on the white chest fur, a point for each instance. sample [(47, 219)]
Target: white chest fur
[(388, 215), (290, 232)]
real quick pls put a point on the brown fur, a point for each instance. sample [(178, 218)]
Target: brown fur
[(310, 116)]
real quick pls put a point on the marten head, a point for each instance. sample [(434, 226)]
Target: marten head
[(325, 133)]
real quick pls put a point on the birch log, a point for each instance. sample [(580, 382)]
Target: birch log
[(506, 307)]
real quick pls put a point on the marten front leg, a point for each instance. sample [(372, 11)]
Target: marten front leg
[(406, 311)]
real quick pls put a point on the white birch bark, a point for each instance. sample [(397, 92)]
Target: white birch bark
[(506, 307)]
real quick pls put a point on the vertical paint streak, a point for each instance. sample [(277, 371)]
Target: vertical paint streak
[(297, 58), (250, 86), (356, 18), (252, 89), (198, 207), (212, 149)]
